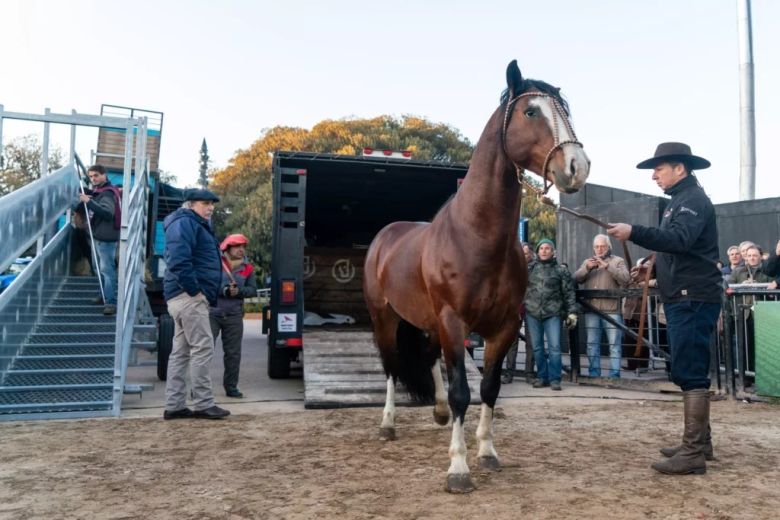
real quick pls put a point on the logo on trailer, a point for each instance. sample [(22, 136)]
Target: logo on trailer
[(288, 322), (343, 270), (309, 267)]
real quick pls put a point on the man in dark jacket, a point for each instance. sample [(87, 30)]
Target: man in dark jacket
[(104, 204), (191, 284), (689, 283), (772, 264), (238, 282)]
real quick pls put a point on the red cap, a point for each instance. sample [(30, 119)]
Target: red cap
[(233, 240)]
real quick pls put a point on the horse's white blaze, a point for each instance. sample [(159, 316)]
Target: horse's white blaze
[(458, 465), (441, 406), (485, 433), (573, 155), (388, 415)]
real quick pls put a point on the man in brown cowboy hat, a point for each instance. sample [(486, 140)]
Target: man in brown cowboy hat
[(689, 283)]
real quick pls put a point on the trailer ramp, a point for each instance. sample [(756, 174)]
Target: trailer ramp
[(342, 369)]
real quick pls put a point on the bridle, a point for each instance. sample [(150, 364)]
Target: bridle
[(558, 112)]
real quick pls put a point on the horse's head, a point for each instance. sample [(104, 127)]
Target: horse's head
[(538, 135)]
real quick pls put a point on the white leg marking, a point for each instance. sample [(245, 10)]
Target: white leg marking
[(458, 465), (485, 433), (388, 415), (441, 407)]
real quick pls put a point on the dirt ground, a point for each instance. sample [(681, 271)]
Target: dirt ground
[(562, 457)]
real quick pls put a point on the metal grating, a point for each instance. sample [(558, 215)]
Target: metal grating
[(77, 318), (78, 326), (66, 350), (56, 396), (85, 310), (63, 363), (72, 338), (58, 378)]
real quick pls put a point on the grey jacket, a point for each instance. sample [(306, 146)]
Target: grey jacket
[(615, 276), (227, 305)]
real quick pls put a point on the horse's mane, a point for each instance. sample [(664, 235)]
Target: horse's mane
[(541, 86)]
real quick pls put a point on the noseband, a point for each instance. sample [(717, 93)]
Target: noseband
[(556, 113)]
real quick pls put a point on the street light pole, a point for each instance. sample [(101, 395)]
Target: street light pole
[(747, 113)]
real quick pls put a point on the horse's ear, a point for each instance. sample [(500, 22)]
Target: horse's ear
[(514, 80)]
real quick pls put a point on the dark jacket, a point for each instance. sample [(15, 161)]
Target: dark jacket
[(192, 256), (747, 274), (772, 264), (105, 206), (244, 275), (687, 246), (550, 290)]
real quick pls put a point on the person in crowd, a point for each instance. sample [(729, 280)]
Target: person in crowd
[(549, 297), (603, 271), (690, 287), (743, 246), (511, 355), (191, 284), (227, 318), (104, 204), (735, 260), (772, 264), (753, 270)]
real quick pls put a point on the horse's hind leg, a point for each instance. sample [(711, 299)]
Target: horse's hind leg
[(495, 350), (441, 410), (387, 428), (385, 325)]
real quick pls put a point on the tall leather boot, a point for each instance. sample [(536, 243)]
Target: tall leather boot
[(709, 454), (690, 457)]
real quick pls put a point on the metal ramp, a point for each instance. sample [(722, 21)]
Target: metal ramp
[(342, 369), (59, 356)]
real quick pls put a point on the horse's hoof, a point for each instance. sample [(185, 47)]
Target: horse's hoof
[(490, 463), (441, 419), (387, 434), (459, 483)]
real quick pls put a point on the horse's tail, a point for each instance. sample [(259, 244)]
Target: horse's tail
[(415, 360)]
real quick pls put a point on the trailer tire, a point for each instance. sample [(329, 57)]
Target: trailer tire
[(278, 363), (164, 345)]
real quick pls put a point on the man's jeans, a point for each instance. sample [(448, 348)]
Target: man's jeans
[(594, 324), (690, 325), (548, 370), (106, 252)]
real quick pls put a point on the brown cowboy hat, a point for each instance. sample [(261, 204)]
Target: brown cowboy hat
[(674, 152)]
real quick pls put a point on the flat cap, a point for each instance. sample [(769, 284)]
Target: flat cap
[(200, 194)]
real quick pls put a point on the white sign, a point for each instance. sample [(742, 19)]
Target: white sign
[(288, 322)]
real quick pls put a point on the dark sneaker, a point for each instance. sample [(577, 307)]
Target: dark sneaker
[(538, 383), (215, 412), (555, 385), (184, 413), (109, 310), (233, 392)]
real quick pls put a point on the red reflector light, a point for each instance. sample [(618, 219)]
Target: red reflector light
[(288, 291), (387, 152), (466, 342), (406, 153), (300, 172), (294, 342), (368, 151)]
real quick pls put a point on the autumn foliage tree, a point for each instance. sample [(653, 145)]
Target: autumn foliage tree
[(21, 163)]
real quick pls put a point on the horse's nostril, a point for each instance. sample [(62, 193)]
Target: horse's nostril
[(573, 168)]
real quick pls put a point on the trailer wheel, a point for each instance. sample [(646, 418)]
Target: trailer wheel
[(278, 362), (164, 345)]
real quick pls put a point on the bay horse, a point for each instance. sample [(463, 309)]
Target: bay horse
[(427, 285)]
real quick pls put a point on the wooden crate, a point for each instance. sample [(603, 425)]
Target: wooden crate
[(112, 141)]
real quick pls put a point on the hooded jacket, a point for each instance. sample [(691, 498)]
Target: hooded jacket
[(192, 256), (687, 246)]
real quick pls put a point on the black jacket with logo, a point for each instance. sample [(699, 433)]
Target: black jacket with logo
[(687, 246)]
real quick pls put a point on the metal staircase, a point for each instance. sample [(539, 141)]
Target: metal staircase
[(59, 355)]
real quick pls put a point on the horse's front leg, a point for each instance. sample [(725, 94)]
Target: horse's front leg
[(452, 334), (441, 412), (387, 428), (495, 350)]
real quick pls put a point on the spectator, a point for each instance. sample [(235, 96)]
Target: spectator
[(550, 296), (753, 271), (735, 260), (772, 264), (104, 203), (190, 286), (238, 282), (511, 355), (743, 246), (603, 271)]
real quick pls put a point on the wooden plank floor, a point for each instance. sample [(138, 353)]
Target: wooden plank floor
[(342, 369)]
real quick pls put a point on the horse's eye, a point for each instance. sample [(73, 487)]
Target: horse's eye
[(530, 112)]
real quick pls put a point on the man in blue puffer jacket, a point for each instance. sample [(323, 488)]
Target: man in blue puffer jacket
[(192, 279)]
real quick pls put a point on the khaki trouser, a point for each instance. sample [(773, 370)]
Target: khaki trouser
[(193, 346)]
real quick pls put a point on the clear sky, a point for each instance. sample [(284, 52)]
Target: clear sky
[(634, 72)]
